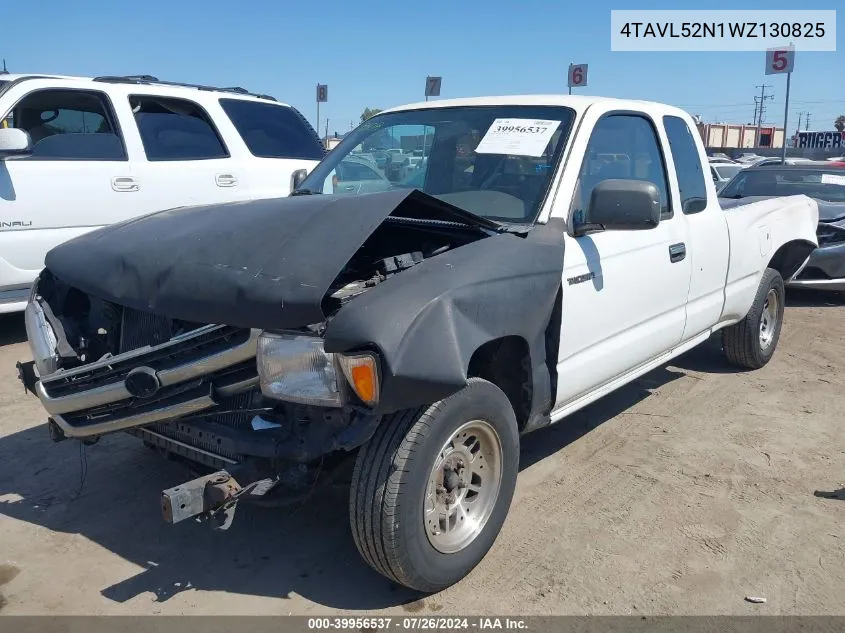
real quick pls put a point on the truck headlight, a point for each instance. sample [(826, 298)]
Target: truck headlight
[(42, 340), (296, 368)]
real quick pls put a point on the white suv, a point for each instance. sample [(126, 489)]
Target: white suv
[(91, 152)]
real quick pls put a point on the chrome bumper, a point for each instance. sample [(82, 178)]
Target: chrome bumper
[(125, 410)]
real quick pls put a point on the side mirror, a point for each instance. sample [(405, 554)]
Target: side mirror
[(297, 177), (14, 143), (622, 205)]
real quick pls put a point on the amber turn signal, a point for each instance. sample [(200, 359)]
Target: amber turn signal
[(362, 373)]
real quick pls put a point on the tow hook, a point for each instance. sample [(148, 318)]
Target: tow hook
[(210, 498)]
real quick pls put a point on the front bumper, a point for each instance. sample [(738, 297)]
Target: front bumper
[(207, 406), (824, 270), (194, 372)]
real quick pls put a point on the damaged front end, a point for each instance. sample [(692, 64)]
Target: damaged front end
[(215, 355)]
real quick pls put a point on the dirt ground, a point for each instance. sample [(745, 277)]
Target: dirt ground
[(682, 493)]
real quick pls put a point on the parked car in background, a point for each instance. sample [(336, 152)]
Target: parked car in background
[(723, 172), (412, 335), (825, 269), (777, 160), (720, 157), (79, 153), (356, 175), (748, 157)]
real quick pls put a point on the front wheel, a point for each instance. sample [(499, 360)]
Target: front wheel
[(752, 342), (432, 487)]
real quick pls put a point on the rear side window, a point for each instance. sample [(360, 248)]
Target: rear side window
[(688, 166), (68, 125), (273, 131), (175, 129)]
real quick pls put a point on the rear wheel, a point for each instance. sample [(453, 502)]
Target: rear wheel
[(432, 487), (752, 342)]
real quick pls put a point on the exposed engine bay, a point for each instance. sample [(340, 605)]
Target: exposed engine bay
[(396, 245)]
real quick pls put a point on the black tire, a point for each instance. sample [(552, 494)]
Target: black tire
[(391, 477), (742, 341)]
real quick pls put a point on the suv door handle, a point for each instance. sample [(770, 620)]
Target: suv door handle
[(677, 252), (124, 184), (225, 180)]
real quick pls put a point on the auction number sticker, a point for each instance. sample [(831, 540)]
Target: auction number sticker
[(517, 137), (833, 179)]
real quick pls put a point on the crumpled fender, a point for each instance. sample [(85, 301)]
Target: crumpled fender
[(427, 322)]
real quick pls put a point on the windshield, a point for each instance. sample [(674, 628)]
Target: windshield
[(726, 172), (827, 185), (496, 162)]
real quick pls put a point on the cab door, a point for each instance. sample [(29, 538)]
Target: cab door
[(77, 178), (624, 292)]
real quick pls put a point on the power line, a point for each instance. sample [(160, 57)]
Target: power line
[(732, 105)]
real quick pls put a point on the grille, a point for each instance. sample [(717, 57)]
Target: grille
[(211, 341), (139, 329), (167, 396)]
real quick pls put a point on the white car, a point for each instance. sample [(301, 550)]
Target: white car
[(723, 172), (80, 153), (416, 333)]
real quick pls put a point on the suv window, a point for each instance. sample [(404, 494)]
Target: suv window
[(622, 146), (175, 129), (688, 168), (273, 131), (68, 125)]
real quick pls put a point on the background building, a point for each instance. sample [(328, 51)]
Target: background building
[(738, 135)]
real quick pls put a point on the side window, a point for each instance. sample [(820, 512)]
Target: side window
[(691, 185), (68, 125), (273, 131), (622, 146), (175, 129)]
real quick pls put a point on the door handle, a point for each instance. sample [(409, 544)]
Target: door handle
[(225, 180), (677, 252), (125, 183), (349, 188)]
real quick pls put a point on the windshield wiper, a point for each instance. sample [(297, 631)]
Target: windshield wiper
[(306, 192)]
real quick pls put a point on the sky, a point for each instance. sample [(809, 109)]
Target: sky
[(378, 53)]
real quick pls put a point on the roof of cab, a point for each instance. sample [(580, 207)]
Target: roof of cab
[(139, 81), (577, 102)]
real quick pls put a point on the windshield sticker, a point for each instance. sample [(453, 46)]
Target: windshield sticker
[(833, 179), (517, 137)]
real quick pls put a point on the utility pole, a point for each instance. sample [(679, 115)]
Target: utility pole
[(807, 123), (327, 129), (761, 110), (797, 130)]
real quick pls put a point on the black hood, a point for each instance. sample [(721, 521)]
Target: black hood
[(263, 263)]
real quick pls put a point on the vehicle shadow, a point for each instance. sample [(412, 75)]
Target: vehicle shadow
[(109, 493), (12, 329)]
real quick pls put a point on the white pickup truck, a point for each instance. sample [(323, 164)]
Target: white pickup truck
[(78, 153), (555, 249)]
